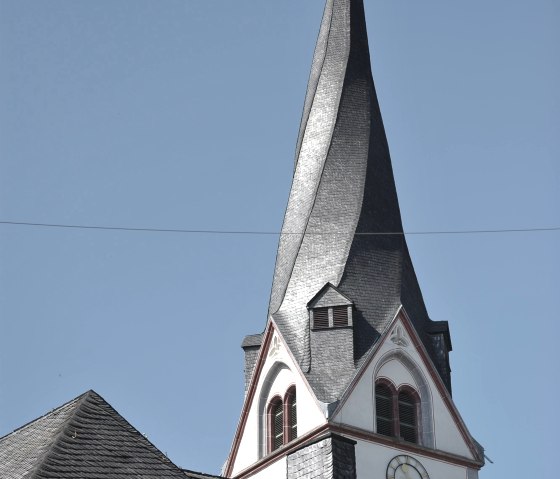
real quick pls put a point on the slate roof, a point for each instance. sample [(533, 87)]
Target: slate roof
[(252, 340), (84, 439), (199, 475), (343, 187)]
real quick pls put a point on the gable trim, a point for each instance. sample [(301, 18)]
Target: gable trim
[(275, 370), (369, 436), (271, 328), (353, 433), (419, 346), (285, 450), (360, 373), (440, 386), (323, 289), (248, 399)]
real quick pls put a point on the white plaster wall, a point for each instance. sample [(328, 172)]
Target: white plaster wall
[(283, 372), (372, 461), (448, 438), (397, 373), (358, 410), (277, 470)]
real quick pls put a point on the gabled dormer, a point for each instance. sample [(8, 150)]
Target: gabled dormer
[(331, 336), (329, 308)]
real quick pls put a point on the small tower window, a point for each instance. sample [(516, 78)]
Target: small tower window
[(340, 316), (324, 318), (321, 318), (282, 420), (396, 412), (276, 423), (407, 416), (291, 414), (384, 409), (330, 308)]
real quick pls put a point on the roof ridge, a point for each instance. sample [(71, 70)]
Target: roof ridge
[(93, 404), (199, 474), (127, 426), (307, 107), (32, 473), (29, 423)]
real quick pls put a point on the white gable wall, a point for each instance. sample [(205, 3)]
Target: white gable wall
[(278, 373), (372, 460), (403, 365), (276, 470)]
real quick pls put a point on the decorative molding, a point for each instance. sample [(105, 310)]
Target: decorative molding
[(274, 347), (398, 337)]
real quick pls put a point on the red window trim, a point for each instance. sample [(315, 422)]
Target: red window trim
[(270, 432), (286, 403), (288, 400), (395, 406)]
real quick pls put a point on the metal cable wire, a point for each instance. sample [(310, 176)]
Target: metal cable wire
[(273, 233)]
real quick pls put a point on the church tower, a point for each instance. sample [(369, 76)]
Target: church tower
[(351, 377)]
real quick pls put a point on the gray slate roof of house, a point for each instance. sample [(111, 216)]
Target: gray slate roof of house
[(343, 188), (83, 439), (199, 475)]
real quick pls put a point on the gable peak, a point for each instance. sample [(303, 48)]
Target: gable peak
[(328, 296)]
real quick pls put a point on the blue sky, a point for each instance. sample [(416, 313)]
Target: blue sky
[(184, 114)]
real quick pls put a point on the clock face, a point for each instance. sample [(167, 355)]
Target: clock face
[(406, 467)]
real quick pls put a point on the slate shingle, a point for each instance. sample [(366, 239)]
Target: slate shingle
[(343, 186), (84, 439)]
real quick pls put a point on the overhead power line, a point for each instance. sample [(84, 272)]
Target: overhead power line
[(272, 233)]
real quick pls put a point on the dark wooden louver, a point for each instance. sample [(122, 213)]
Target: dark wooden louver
[(293, 417), (384, 410), (407, 417), (320, 318), (277, 414), (340, 316)]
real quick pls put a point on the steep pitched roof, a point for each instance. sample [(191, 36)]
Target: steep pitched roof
[(83, 439), (199, 475), (343, 193)]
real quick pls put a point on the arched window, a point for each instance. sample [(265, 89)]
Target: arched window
[(282, 420), (384, 409), (407, 416), (396, 411), (276, 424), (290, 431)]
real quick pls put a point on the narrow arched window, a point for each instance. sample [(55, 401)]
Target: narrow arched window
[(276, 423), (384, 409), (407, 416), (291, 414)]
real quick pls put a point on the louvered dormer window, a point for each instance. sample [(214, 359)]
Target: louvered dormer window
[(321, 318), (340, 316), (333, 317), (329, 308)]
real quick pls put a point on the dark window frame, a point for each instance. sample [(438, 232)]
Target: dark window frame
[(331, 317), (396, 429), (273, 433), (319, 319), (290, 414), (278, 435)]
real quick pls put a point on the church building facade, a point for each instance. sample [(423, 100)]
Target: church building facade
[(350, 378)]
